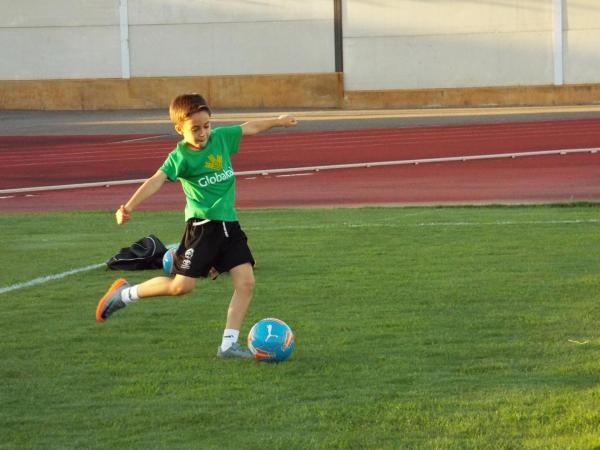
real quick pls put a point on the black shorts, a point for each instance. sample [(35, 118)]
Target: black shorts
[(206, 244)]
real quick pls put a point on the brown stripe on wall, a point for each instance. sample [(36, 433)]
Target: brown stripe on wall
[(285, 91), (582, 94), (306, 90)]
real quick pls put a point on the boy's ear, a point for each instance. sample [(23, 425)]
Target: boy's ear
[(179, 128)]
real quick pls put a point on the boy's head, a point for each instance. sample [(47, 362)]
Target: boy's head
[(190, 114)]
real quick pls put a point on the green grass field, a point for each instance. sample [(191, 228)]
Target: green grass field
[(425, 328)]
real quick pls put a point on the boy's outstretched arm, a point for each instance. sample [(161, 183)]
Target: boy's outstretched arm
[(146, 190), (253, 127)]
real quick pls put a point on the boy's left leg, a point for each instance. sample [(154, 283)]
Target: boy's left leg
[(242, 278)]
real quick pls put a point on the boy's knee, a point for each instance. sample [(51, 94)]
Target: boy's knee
[(180, 289), (247, 284)]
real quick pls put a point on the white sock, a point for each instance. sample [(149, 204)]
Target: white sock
[(229, 338), (130, 294)]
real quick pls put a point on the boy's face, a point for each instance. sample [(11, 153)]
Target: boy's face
[(195, 129)]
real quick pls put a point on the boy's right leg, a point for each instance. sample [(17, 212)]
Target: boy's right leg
[(116, 296)]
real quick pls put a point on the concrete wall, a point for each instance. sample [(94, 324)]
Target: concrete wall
[(66, 39), (59, 39), (233, 37), (582, 41), (410, 44), (67, 54)]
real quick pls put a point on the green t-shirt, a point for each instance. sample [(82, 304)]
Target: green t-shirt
[(206, 175)]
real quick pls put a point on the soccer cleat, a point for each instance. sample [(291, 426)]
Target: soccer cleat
[(235, 351), (111, 301)]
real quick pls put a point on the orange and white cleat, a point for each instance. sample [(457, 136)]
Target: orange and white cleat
[(111, 301)]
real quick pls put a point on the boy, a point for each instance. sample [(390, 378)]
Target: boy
[(213, 237)]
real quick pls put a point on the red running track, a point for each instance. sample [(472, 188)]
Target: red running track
[(42, 161)]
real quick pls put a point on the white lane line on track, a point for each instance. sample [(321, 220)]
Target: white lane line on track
[(140, 139), (300, 137), (294, 175), (319, 168), (334, 143), (379, 135), (64, 161), (361, 114), (45, 279), (160, 154)]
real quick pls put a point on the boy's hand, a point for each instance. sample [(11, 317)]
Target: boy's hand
[(122, 215), (287, 121), (253, 127)]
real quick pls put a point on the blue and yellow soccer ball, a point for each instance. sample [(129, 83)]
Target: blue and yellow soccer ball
[(271, 340), (168, 259)]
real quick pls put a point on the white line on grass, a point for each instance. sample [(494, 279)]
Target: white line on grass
[(508, 222), (58, 276), (47, 278), (423, 224)]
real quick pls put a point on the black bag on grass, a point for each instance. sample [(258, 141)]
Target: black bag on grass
[(147, 253)]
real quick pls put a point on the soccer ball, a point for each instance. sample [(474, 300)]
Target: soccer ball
[(168, 259), (271, 340)]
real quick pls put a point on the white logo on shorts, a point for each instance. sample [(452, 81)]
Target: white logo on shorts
[(187, 262)]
